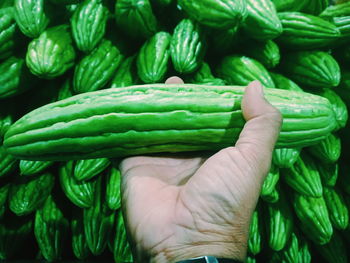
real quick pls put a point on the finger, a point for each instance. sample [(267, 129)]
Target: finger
[(259, 135), (174, 80)]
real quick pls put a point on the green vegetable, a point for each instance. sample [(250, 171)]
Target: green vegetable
[(79, 245), (269, 185), (113, 196), (241, 70), (187, 47), (136, 17), (33, 167), (255, 232), (285, 157), (335, 251), (87, 169), (304, 31), (304, 252), (6, 120), (262, 22), (327, 150), (14, 78), (328, 173), (338, 10), (52, 53), (279, 224), (121, 247), (50, 229), (95, 70), (31, 16), (316, 69), (89, 24), (100, 131), (290, 253), (303, 177), (314, 218), (337, 209), (8, 33), (339, 106), (267, 53), (7, 162), (80, 193), (289, 5), (126, 73), (98, 222), (153, 58), (282, 82), (66, 90), (29, 193), (315, 7), (222, 14)]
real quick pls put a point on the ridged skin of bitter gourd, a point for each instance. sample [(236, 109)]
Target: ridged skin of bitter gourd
[(216, 13), (158, 118)]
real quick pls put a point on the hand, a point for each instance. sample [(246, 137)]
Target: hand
[(177, 208)]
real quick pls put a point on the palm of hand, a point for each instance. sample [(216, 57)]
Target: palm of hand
[(173, 202)]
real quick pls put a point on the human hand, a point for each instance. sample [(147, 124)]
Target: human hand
[(178, 208)]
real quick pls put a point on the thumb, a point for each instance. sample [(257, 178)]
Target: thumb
[(259, 135)]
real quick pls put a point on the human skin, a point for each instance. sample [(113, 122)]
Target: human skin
[(178, 207)]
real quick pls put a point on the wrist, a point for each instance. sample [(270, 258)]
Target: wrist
[(235, 251)]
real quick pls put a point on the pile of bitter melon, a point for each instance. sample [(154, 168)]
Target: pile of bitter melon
[(56, 54)]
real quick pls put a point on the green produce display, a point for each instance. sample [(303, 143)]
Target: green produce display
[(328, 173), (33, 167), (136, 17), (314, 218), (52, 53), (98, 222), (8, 32), (79, 245), (87, 169), (267, 53), (255, 232), (50, 229), (328, 150), (216, 13), (97, 68), (29, 193), (186, 46), (315, 69), (285, 157), (262, 22), (14, 78), (269, 186), (241, 70), (81, 194), (280, 223), (113, 197), (337, 209), (303, 31), (153, 58), (7, 162), (31, 16), (89, 24), (303, 177), (64, 132)]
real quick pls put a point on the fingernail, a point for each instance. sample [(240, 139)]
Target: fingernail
[(258, 87)]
